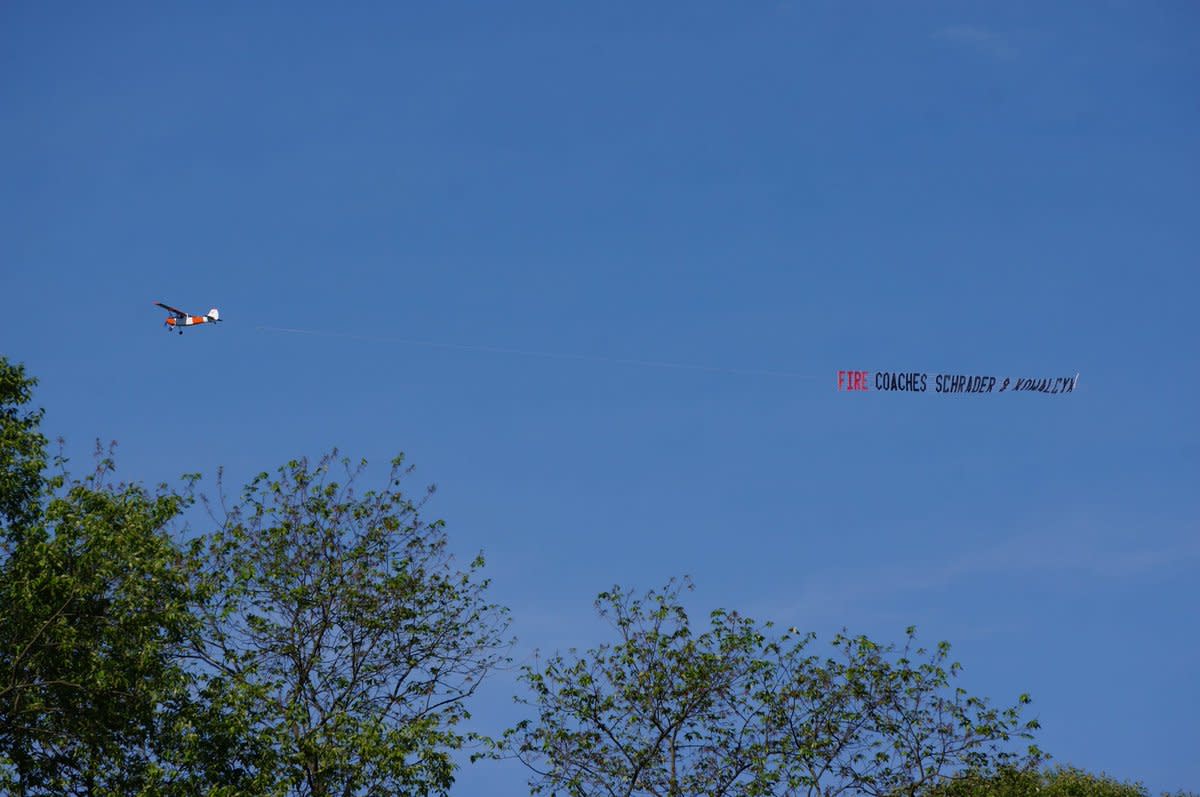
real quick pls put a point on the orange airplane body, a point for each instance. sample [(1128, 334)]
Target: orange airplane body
[(179, 320)]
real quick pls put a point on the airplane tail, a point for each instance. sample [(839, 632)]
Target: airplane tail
[(213, 315)]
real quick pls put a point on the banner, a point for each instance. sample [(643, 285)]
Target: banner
[(920, 382)]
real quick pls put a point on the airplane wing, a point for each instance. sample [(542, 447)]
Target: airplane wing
[(169, 308)]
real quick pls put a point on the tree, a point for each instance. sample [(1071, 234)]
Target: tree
[(22, 449), (92, 604), (739, 710), (876, 720), (1029, 782), (318, 642), (662, 711), (337, 631)]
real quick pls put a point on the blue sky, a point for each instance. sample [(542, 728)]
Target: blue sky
[(944, 187)]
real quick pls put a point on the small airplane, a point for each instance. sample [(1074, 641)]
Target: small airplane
[(178, 319)]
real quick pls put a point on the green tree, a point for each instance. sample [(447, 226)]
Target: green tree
[(338, 632), (739, 710), (92, 605), (873, 719), (662, 711), (22, 449), (1031, 782)]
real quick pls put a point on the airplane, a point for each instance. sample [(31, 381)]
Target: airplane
[(178, 319)]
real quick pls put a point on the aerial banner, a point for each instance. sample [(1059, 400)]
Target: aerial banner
[(921, 382), (849, 381)]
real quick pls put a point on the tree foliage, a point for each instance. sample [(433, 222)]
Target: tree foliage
[(22, 449), (1029, 782), (317, 642), (662, 711), (93, 604), (737, 709), (339, 632), (880, 720)]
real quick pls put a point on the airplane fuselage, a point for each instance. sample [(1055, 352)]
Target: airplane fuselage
[(187, 321), (179, 322)]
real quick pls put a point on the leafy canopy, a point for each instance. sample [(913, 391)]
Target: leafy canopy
[(1056, 782), (22, 449), (739, 709), (92, 607), (341, 629)]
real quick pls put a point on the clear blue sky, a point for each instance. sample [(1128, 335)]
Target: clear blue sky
[(979, 187)]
